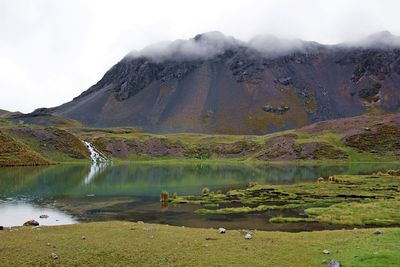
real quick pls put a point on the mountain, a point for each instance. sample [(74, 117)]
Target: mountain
[(217, 84)]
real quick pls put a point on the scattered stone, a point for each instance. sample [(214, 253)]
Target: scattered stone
[(334, 263), (378, 232), (83, 237), (44, 216), (285, 80), (140, 222), (367, 129), (54, 256), (90, 195), (221, 230), (278, 110), (149, 228), (211, 238), (31, 223), (248, 236), (326, 251), (321, 179)]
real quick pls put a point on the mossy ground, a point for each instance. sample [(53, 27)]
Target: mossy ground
[(133, 244), (343, 200)]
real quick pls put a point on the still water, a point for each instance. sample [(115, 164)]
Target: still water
[(71, 193)]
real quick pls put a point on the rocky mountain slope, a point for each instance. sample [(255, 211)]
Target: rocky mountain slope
[(217, 84)]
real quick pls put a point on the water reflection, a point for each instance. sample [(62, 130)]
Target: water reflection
[(131, 191), (95, 169), (13, 213), (148, 180)]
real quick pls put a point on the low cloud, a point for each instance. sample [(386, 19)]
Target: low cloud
[(211, 44), (382, 40), (203, 46)]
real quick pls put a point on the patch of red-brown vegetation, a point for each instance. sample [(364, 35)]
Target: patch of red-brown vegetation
[(382, 138)]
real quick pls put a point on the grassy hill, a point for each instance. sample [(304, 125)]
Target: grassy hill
[(358, 139)]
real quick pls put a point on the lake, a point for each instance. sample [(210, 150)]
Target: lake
[(71, 193)]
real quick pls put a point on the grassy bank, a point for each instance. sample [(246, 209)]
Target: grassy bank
[(133, 244)]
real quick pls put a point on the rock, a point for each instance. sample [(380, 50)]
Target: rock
[(285, 80), (31, 223), (54, 256), (221, 230), (140, 222), (268, 108), (334, 263), (1, 228), (378, 232), (248, 236), (44, 216), (83, 237), (326, 251)]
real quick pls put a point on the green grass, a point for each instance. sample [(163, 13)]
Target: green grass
[(133, 244), (381, 212)]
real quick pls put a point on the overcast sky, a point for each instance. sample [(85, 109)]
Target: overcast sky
[(51, 51)]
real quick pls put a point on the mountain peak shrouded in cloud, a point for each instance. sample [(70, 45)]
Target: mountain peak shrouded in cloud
[(210, 44), (202, 46), (214, 83), (379, 40)]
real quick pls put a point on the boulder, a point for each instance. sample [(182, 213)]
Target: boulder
[(333, 263), (248, 236), (31, 223), (378, 232), (221, 230)]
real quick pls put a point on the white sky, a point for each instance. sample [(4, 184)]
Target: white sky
[(52, 50)]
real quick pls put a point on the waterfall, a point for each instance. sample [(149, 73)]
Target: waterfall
[(95, 155), (99, 162)]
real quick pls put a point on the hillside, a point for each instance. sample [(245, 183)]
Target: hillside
[(363, 138), (217, 84), (35, 145)]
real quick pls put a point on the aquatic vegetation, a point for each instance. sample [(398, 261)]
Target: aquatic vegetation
[(343, 200), (164, 196), (205, 191)]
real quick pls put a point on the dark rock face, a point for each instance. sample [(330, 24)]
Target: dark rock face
[(241, 90)]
